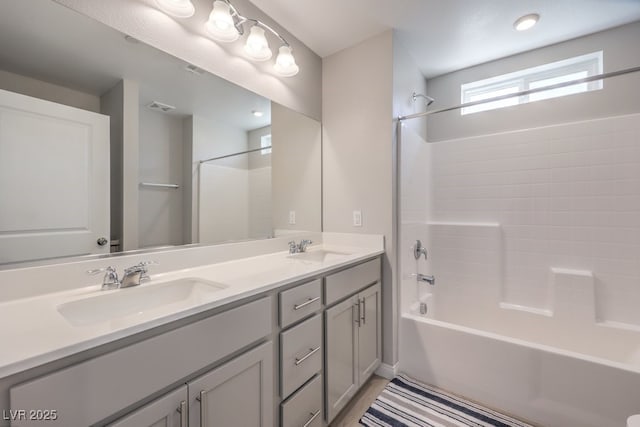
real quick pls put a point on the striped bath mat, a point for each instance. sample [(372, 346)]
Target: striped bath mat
[(406, 402)]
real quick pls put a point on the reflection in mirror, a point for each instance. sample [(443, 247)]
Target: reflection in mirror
[(269, 189), (102, 139)]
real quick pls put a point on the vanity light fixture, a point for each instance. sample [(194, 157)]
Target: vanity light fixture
[(226, 24), (177, 8), (221, 25), (526, 22), (257, 47)]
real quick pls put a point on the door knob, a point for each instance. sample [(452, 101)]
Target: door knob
[(102, 241)]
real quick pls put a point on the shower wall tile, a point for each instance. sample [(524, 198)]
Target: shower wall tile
[(566, 196)]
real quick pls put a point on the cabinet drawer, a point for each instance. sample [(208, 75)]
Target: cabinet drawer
[(304, 408), (109, 383), (300, 354), (350, 281), (299, 302)]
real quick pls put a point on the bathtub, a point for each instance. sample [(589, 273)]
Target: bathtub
[(544, 370)]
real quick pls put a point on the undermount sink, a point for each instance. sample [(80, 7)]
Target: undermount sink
[(111, 305), (320, 255)]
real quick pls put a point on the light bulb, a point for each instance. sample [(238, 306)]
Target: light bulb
[(525, 22), (177, 8), (220, 25), (285, 62), (257, 47)]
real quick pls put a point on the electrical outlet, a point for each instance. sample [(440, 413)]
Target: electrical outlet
[(357, 218), (292, 217)]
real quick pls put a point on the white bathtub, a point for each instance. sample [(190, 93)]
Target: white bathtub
[(549, 373)]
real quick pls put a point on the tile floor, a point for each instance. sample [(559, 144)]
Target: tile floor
[(352, 413)]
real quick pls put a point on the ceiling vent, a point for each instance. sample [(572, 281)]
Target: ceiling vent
[(159, 106), (193, 69)]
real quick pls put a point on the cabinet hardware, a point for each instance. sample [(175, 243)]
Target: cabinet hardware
[(358, 313), (312, 351), (314, 415), (182, 410), (203, 412), (363, 317), (306, 303)]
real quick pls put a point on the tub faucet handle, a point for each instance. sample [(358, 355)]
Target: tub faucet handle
[(419, 250)]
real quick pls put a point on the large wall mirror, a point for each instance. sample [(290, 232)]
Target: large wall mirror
[(109, 145)]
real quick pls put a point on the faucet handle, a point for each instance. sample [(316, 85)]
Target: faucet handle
[(144, 277), (110, 280), (293, 247)]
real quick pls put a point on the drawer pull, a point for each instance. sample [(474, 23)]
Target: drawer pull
[(203, 414), (306, 303), (182, 410), (314, 415), (363, 316), (312, 351)]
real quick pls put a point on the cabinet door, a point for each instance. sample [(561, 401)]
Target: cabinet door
[(238, 393), (341, 355), (369, 333), (168, 411)]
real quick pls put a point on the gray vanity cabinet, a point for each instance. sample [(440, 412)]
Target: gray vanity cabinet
[(341, 353), (353, 346), (168, 411), (369, 333), (238, 393)]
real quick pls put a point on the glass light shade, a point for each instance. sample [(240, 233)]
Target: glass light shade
[(220, 25), (285, 62), (525, 22), (256, 46), (176, 8)]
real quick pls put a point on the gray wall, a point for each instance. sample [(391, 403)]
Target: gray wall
[(296, 169), (358, 153), (161, 149), (111, 104), (620, 94), (51, 92)]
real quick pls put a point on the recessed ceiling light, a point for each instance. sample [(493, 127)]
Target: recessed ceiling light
[(525, 22), (257, 113)]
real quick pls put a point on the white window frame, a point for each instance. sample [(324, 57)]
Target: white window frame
[(589, 65), (265, 141)]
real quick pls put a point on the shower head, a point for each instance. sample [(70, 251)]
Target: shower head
[(429, 100)]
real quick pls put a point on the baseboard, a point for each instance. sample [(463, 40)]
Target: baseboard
[(387, 371)]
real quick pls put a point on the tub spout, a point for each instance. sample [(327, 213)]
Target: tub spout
[(426, 278)]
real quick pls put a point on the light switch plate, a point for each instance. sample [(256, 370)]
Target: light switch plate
[(357, 218), (292, 217)]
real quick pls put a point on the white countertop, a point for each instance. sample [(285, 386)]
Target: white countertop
[(34, 332)]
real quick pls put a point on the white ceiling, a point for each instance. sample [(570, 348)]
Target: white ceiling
[(446, 35), (44, 40)]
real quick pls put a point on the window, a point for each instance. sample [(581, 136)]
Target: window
[(533, 78), (265, 141)]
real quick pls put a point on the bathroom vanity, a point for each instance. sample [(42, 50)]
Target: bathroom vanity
[(282, 340)]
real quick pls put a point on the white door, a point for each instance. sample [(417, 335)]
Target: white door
[(54, 179)]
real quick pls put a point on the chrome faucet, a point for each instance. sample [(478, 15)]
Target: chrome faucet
[(110, 279), (300, 247), (133, 276)]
